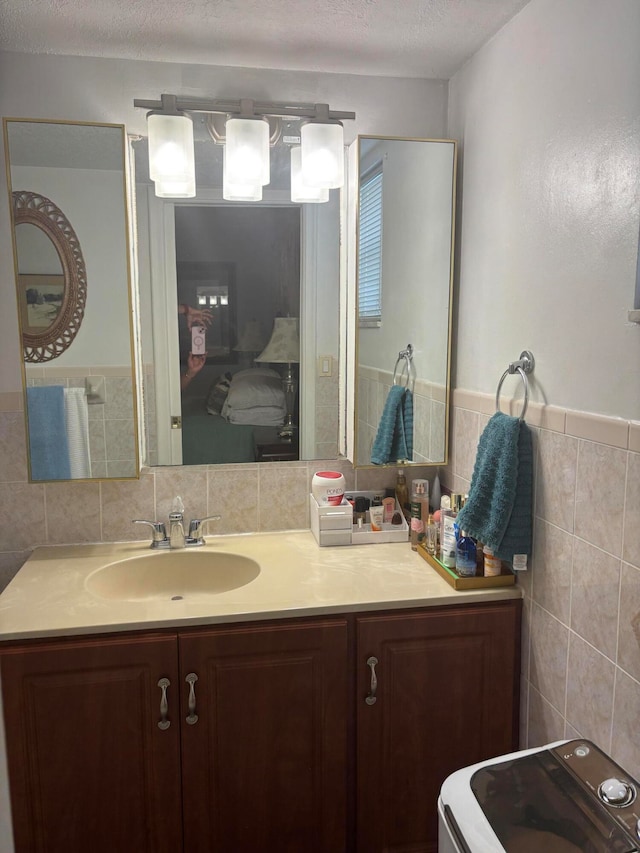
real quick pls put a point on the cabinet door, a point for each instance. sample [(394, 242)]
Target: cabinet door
[(89, 768), (446, 697), (264, 766)]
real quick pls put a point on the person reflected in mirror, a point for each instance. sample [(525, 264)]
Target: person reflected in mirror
[(195, 363), (195, 316)]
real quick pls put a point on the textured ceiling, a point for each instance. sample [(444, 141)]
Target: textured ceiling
[(399, 38)]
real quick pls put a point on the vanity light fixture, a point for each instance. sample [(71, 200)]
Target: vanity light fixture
[(322, 144), (246, 139), (300, 192), (171, 152)]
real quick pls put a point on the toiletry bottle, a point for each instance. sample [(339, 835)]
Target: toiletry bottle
[(389, 504), (448, 540), (445, 505), (418, 497), (431, 536), (402, 494), (465, 555), (492, 564), (436, 494)]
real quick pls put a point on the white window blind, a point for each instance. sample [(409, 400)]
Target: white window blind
[(370, 248)]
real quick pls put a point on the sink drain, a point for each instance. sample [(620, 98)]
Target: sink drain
[(177, 597)]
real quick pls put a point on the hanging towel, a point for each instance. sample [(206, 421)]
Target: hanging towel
[(48, 445), (498, 511), (394, 439), (77, 422)]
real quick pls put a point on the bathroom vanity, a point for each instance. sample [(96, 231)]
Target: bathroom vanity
[(318, 707)]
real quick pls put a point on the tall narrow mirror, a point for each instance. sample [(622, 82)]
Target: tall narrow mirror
[(71, 251), (404, 266)]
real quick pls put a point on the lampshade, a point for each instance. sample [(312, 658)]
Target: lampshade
[(299, 191), (247, 151), (252, 337), (238, 191), (171, 153), (322, 154), (284, 344)]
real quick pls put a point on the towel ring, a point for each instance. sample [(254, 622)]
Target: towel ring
[(405, 357), (523, 366)]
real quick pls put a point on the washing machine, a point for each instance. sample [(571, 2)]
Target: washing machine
[(565, 797)]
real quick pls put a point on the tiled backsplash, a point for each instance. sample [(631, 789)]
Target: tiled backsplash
[(581, 640), (250, 497), (429, 403), (111, 433)]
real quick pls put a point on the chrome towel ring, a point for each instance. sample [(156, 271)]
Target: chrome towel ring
[(405, 359), (523, 366)]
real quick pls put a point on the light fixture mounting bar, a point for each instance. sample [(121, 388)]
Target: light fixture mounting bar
[(260, 108)]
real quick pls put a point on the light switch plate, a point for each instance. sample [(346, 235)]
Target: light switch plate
[(325, 365)]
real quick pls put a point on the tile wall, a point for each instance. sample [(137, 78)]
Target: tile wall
[(429, 406), (581, 635), (111, 443), (251, 497)]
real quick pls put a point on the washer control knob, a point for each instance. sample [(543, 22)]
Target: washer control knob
[(615, 792), (638, 829)]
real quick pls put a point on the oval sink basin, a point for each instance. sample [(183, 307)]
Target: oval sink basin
[(172, 575)]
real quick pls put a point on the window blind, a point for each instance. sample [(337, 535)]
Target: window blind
[(370, 249)]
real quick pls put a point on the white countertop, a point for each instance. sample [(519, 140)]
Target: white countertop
[(48, 596)]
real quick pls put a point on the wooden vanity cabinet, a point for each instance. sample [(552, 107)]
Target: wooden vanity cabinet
[(89, 768), (447, 695), (286, 753), (255, 762)]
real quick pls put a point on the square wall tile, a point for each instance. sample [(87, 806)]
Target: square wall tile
[(590, 680), (629, 623), (13, 447), (551, 568), (233, 493), (73, 512), (595, 592), (631, 543), (556, 478), (625, 743), (545, 723), (600, 495), (548, 657), (284, 497)]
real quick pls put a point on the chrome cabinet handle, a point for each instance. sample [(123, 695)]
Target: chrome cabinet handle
[(371, 698), (164, 723), (191, 679)]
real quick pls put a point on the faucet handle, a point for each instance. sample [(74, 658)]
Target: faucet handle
[(159, 539), (195, 529)]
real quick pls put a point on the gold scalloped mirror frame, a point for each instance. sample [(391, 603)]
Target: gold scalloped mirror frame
[(31, 208)]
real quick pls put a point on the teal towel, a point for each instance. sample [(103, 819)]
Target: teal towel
[(499, 509), (394, 439)]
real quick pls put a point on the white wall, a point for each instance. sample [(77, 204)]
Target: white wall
[(90, 89), (416, 257), (548, 115)]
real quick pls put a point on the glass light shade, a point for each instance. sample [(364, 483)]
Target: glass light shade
[(171, 153), (299, 191), (247, 151), (322, 154), (242, 191), (170, 188)]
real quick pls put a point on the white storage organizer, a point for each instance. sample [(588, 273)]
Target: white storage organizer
[(334, 525)]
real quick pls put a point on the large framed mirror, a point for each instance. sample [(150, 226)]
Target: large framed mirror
[(405, 209), (71, 251), (259, 268)]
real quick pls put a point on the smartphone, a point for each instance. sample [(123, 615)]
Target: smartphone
[(198, 340)]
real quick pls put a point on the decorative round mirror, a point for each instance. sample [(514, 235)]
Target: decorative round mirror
[(51, 276)]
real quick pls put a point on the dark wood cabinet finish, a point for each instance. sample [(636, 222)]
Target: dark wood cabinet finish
[(264, 768), (446, 697), (285, 753), (89, 768)]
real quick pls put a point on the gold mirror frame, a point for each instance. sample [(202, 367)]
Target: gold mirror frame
[(31, 208)]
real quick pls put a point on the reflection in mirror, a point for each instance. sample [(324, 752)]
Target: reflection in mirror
[(67, 183), (405, 226), (269, 260)]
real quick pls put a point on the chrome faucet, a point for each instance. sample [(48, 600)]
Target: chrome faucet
[(177, 538)]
